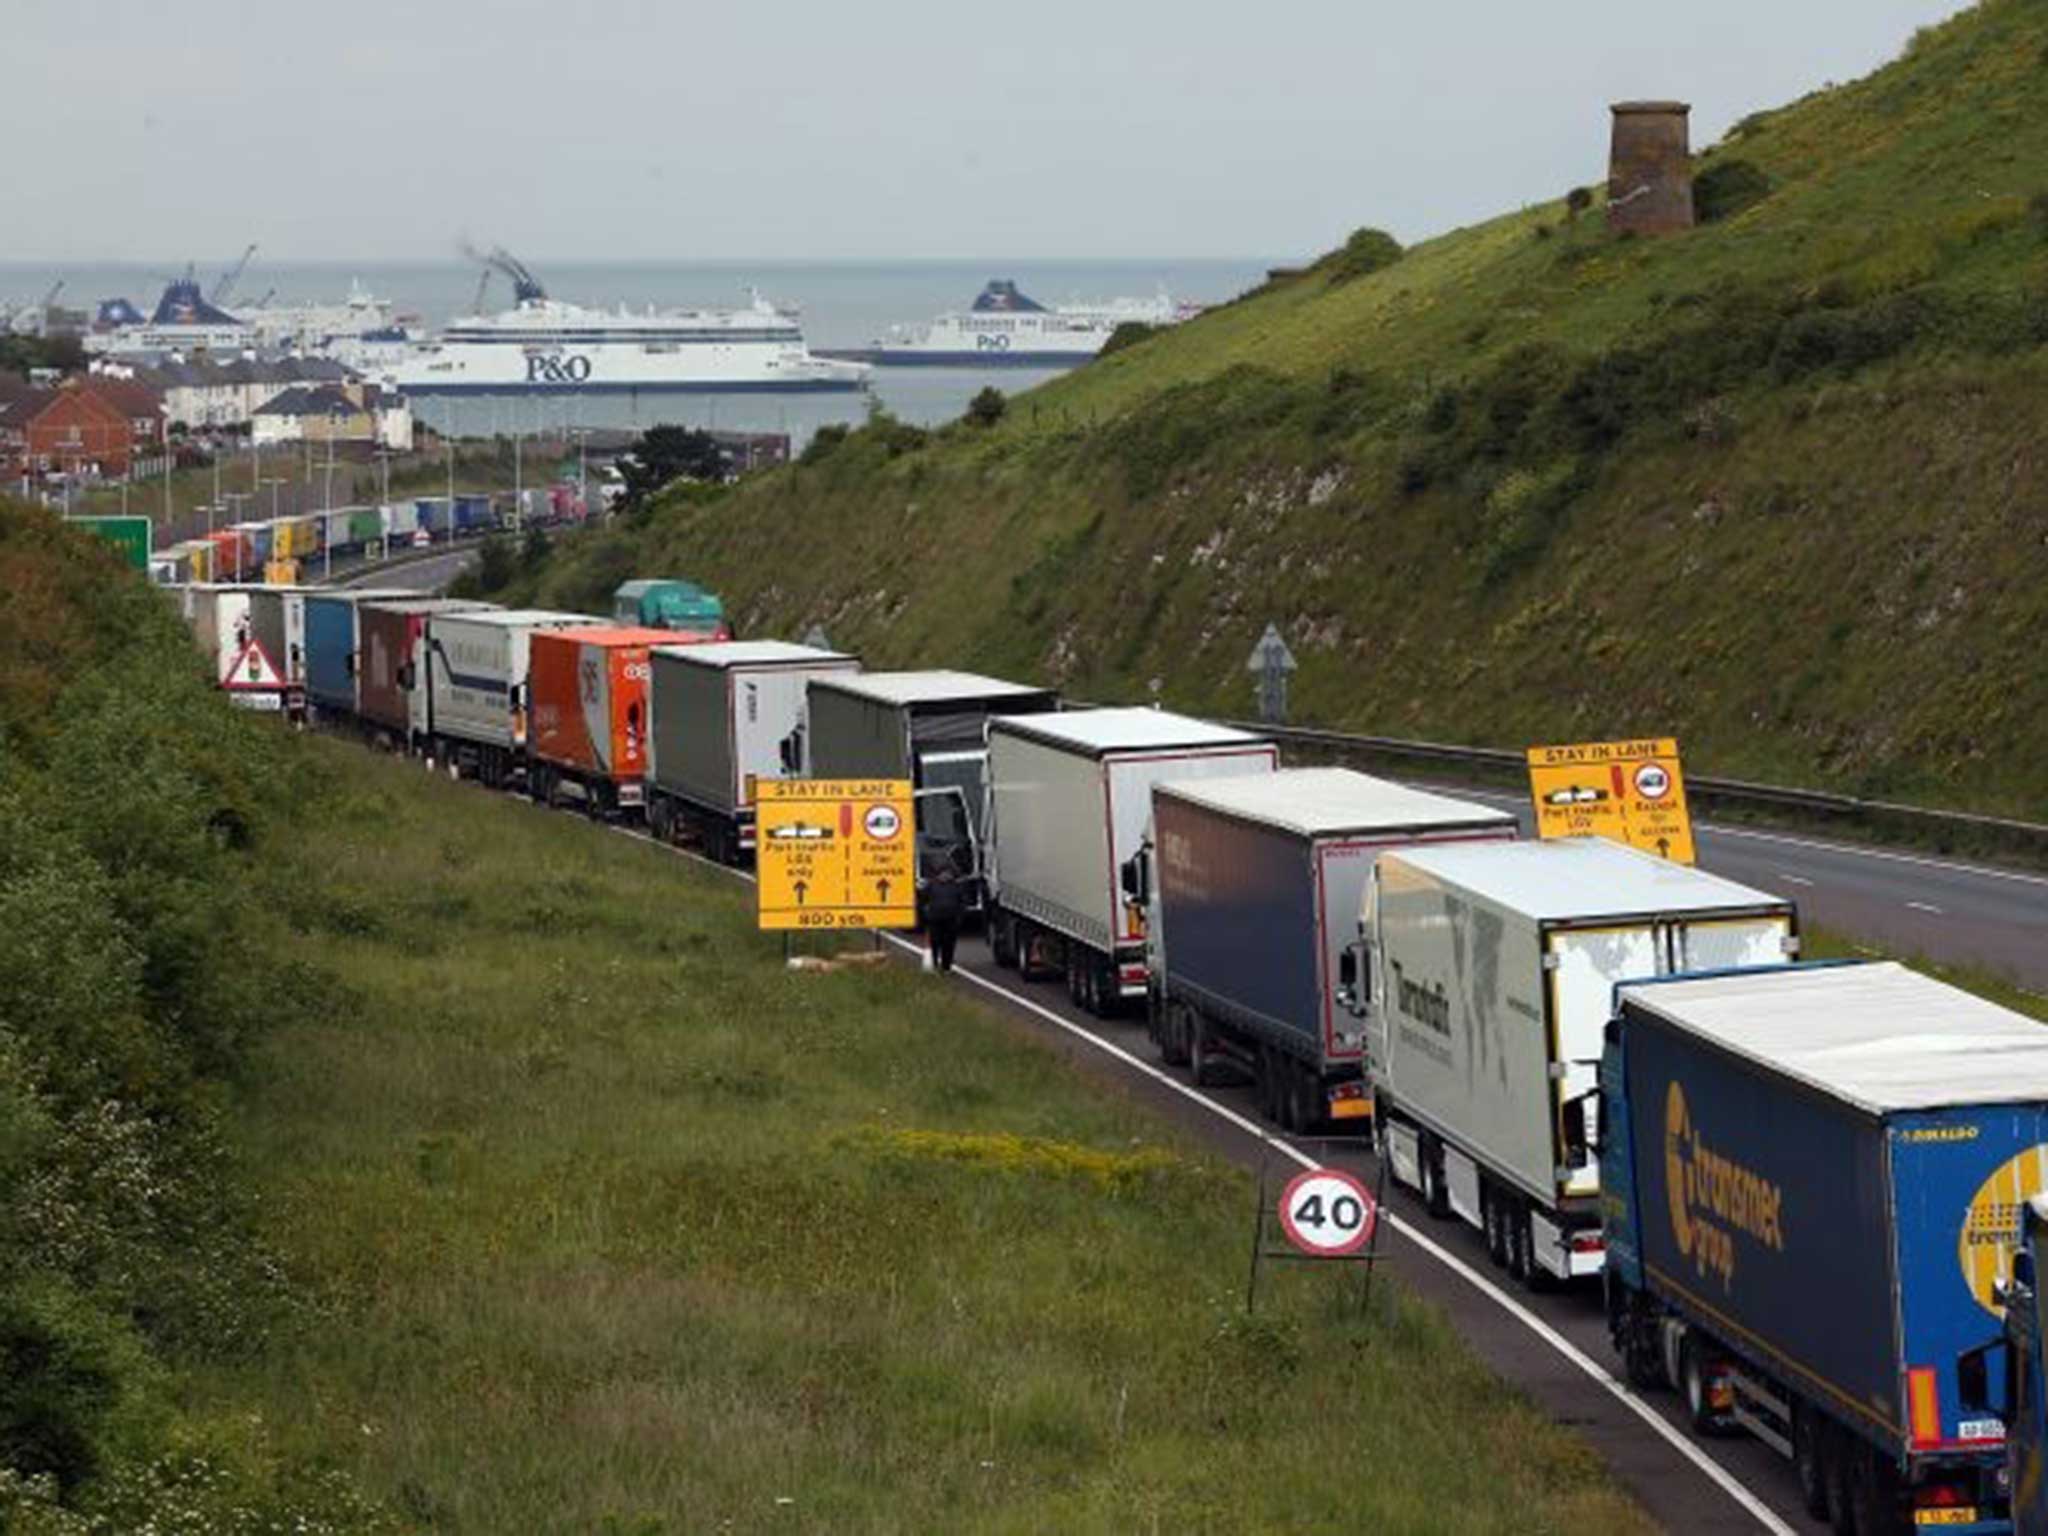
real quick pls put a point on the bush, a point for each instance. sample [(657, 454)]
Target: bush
[(1366, 252), (534, 548), (823, 442), (495, 563), (1577, 201), (1129, 334), (987, 407), (1726, 187)]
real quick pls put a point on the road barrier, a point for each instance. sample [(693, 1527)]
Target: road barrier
[(1730, 799)]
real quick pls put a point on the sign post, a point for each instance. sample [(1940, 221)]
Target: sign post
[(1327, 1216), (129, 535), (1630, 791), (1270, 663), (835, 853)]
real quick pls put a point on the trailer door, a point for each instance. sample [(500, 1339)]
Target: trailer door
[(1583, 965), (1732, 944)]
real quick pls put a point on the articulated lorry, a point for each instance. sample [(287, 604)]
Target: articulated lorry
[(476, 686), (392, 701), (587, 738), (245, 668), (1255, 885), (930, 728), (724, 717), (1071, 797), (1490, 970), (682, 606), (333, 631), (1813, 1180)]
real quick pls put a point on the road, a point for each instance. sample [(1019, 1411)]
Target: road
[(1908, 904), (423, 576), (1552, 1347)]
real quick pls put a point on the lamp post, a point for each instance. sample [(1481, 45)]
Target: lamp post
[(582, 436), (273, 481), (384, 502)]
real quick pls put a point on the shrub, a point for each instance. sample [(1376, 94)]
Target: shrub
[(1726, 187), (534, 548), (987, 407), (1366, 252), (823, 442), (1129, 334), (1577, 201), (495, 563)]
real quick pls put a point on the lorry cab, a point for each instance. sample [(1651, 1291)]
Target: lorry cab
[(682, 606)]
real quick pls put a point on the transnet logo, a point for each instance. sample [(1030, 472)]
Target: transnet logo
[(1713, 1197)]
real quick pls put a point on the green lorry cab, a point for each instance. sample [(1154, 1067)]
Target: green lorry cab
[(679, 605)]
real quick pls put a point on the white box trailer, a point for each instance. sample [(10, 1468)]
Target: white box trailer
[(722, 716), (1491, 972), (1071, 798), (1255, 885), (242, 665), (476, 687)]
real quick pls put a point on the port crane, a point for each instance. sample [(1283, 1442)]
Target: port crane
[(232, 276)]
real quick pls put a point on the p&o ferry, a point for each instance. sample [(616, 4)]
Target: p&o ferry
[(545, 346), (1006, 328)]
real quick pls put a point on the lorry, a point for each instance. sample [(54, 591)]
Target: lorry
[(586, 735), (277, 615), (334, 645), (929, 728), (1254, 886), (391, 686), (722, 717), (242, 665), (1813, 1178), (1488, 970), (679, 605), (1070, 797), (476, 681)]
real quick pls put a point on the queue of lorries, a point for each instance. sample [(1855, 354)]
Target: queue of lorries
[(1799, 1184)]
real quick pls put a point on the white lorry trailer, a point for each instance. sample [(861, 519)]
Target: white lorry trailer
[(1491, 972), (722, 717), (1255, 885), (476, 699), (1071, 797)]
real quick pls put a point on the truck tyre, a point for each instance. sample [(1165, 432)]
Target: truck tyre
[(1809, 1459), (1838, 1454), (657, 818), (1201, 1055), (1514, 1231), (1693, 1375), (1173, 1038), (1494, 1211), (1435, 1197), (1001, 944), (1640, 1356), (1308, 1099), (1109, 997), (1020, 941), (1875, 1495)]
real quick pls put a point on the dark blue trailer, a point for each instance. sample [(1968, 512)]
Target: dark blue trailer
[(1811, 1180), (1256, 886), (472, 513)]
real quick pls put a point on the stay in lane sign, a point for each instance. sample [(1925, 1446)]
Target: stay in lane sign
[(1630, 791), (835, 853)]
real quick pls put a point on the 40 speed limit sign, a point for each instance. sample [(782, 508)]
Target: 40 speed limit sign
[(1327, 1214)]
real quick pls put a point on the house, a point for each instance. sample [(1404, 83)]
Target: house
[(343, 413), (19, 399), (208, 396), (98, 426)]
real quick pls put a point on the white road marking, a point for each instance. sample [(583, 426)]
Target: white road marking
[(1793, 879), (1605, 1379), (1921, 906)]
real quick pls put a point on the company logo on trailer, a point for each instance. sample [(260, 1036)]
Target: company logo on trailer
[(1713, 1198), (1426, 1005), (1991, 1225)]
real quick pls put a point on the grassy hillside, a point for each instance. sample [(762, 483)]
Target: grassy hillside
[(1774, 485)]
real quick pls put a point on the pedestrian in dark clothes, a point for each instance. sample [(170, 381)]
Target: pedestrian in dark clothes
[(945, 904)]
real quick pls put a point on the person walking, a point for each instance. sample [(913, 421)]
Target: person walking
[(945, 904)]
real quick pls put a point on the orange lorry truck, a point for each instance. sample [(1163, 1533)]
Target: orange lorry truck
[(587, 733)]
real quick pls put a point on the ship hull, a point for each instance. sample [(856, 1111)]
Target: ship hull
[(879, 357)]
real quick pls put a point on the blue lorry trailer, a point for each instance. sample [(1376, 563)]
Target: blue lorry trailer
[(1811, 1179), (1255, 886), (331, 644)]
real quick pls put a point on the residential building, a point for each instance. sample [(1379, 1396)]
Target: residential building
[(345, 413), (97, 427)]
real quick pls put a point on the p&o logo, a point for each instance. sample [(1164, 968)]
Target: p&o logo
[(546, 368), (1713, 1198)]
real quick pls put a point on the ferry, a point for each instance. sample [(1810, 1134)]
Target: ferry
[(545, 346), (1006, 328)]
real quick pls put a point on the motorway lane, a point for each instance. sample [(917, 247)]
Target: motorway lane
[(1551, 1347), (1911, 905), (422, 576)]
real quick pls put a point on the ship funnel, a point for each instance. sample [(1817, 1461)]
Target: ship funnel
[(1649, 169)]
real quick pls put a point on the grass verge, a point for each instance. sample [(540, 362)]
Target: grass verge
[(606, 1221)]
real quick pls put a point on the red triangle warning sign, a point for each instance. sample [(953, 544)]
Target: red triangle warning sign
[(252, 668)]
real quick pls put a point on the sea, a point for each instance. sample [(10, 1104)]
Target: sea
[(841, 304)]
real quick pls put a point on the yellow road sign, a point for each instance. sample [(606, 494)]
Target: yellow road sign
[(1630, 791), (836, 853)]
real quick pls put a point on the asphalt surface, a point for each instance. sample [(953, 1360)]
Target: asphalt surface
[(423, 576), (1906, 904)]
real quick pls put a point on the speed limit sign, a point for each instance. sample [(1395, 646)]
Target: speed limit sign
[(1327, 1214)]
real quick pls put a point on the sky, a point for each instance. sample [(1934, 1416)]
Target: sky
[(872, 130)]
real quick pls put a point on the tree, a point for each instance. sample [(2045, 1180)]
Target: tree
[(534, 548), (1366, 252), (1577, 201), (667, 453), (986, 408), (495, 566)]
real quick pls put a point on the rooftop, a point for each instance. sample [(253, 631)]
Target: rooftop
[(1124, 730), (753, 653), (1579, 878), (1326, 802), (932, 687), (1878, 1036)]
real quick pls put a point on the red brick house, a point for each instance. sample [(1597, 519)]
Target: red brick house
[(97, 426)]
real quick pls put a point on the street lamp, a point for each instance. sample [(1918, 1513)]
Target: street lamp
[(582, 436), (273, 481)]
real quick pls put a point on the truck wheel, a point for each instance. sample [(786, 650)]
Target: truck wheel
[(1514, 1231), (1275, 1074), (1838, 1454), (1493, 1207), (1001, 947), (1640, 1356), (1200, 1055), (1693, 1384), (1109, 997), (1173, 1036), (1435, 1197), (1308, 1099), (1875, 1494), (1809, 1460), (1073, 978)]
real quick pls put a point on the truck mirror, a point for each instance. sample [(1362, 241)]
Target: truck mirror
[(1136, 877), (791, 752), (1973, 1379), (1576, 1151), (405, 677), (2023, 1268), (1347, 970)]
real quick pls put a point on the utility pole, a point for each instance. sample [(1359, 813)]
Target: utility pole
[(518, 485), (451, 492), (384, 504), (327, 516)]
